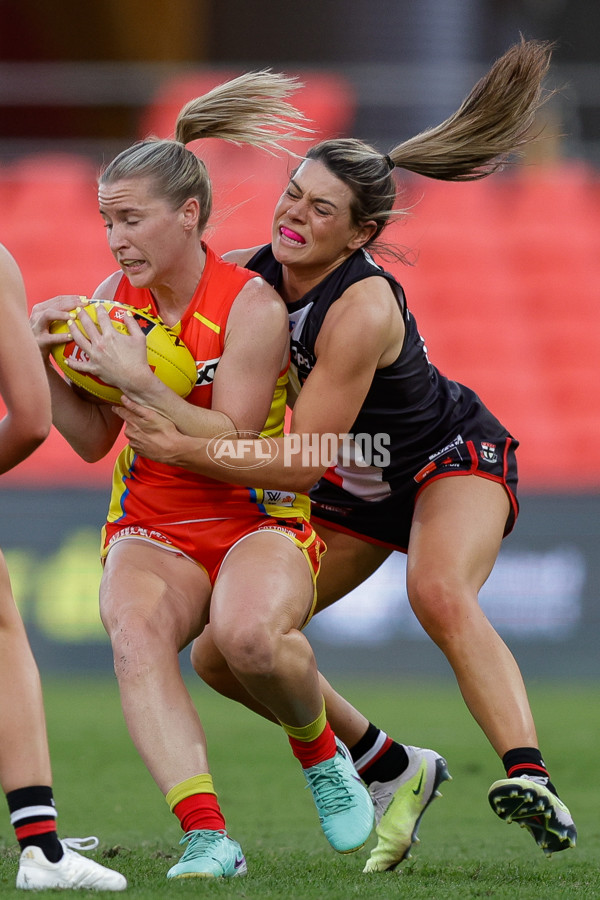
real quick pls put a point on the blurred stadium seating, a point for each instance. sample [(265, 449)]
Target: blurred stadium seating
[(505, 286)]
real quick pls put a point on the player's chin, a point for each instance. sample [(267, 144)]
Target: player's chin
[(137, 274), (285, 253)]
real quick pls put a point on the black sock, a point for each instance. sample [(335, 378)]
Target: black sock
[(377, 757), (527, 761), (33, 816)]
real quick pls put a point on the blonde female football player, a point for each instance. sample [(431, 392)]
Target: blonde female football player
[(25, 772), (446, 495), (176, 543)]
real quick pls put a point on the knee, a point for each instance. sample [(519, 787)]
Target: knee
[(250, 650), (442, 605)]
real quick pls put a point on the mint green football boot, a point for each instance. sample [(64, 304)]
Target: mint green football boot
[(209, 854), (345, 808)]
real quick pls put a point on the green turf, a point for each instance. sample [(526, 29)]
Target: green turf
[(102, 788)]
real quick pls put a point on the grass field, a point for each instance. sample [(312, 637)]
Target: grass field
[(102, 788)]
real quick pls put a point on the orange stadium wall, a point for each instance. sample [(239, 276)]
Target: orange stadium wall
[(504, 286)]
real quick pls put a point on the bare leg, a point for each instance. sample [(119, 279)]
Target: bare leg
[(346, 564), (153, 602), (455, 538), (260, 599), (24, 757)]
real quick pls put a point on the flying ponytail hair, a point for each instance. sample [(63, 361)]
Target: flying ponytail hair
[(251, 109), (492, 124)]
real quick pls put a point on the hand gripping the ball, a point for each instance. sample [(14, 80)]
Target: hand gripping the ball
[(114, 349), (110, 350)]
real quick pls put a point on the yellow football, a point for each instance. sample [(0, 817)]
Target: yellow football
[(168, 356)]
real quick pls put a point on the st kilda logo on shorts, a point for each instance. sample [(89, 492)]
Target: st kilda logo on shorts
[(488, 452)]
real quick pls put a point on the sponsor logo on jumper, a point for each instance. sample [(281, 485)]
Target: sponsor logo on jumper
[(279, 498), (301, 358), (206, 370)]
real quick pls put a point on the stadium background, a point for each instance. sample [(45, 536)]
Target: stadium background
[(505, 284)]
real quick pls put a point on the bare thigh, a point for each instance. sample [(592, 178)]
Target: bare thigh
[(455, 538), (164, 592), (265, 577), (348, 562)]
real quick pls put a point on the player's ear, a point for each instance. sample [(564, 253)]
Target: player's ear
[(363, 235), (190, 211)]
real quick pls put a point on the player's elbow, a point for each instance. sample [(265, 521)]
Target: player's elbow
[(31, 427), (23, 441), (40, 431), (89, 453), (88, 457), (29, 443), (90, 447)]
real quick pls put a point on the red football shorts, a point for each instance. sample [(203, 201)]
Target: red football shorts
[(207, 542)]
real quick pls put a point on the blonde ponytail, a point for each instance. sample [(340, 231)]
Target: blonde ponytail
[(251, 109)]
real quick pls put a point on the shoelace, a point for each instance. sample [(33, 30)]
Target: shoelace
[(381, 802), (199, 841), (86, 843), (329, 788), (538, 779)]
